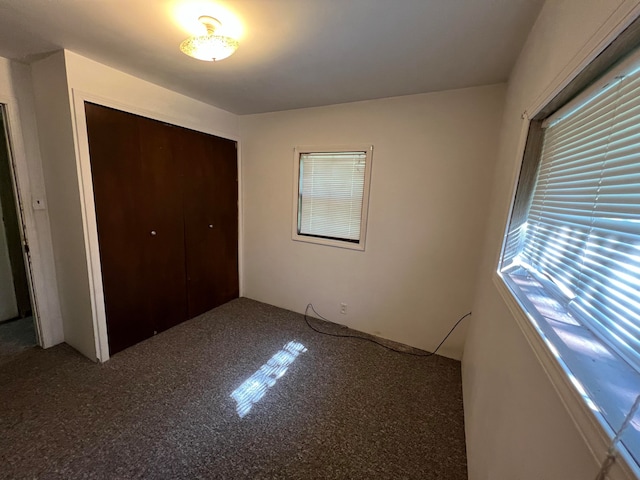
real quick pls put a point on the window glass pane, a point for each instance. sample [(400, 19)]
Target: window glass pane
[(331, 193)]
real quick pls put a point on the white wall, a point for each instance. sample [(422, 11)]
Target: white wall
[(17, 94), (62, 82), (516, 424), (433, 157), (63, 198), (113, 87)]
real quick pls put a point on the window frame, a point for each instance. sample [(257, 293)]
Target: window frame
[(559, 364), (364, 213)]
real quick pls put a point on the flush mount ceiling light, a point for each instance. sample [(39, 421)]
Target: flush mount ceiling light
[(209, 47)]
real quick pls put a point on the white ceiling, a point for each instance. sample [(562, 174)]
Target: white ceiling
[(293, 53)]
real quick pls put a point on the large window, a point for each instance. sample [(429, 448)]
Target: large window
[(572, 251), (331, 196)]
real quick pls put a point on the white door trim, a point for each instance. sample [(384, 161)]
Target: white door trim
[(44, 294)]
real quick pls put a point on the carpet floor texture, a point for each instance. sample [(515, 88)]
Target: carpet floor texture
[(319, 408)]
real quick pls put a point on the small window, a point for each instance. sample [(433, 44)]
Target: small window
[(331, 193)]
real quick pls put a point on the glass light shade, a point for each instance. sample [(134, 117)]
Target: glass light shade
[(211, 48)]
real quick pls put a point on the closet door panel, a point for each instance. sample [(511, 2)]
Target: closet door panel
[(167, 213), (225, 194), (117, 173), (211, 219), (163, 255)]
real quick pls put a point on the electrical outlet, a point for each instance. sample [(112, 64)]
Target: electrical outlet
[(343, 308)]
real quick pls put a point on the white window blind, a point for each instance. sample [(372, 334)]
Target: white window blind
[(583, 227), (330, 194)]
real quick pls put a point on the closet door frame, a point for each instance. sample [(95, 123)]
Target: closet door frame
[(90, 227)]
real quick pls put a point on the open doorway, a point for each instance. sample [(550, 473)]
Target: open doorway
[(17, 323)]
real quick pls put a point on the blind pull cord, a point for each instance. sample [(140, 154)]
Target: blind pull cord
[(610, 459)]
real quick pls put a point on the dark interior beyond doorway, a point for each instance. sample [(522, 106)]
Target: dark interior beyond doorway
[(16, 299), (16, 336)]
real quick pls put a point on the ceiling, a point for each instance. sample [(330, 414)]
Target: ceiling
[(293, 53)]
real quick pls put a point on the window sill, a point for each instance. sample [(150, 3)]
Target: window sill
[(580, 369), (328, 242)]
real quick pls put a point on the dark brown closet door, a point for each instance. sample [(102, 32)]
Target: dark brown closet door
[(137, 192), (165, 295), (116, 173), (210, 175)]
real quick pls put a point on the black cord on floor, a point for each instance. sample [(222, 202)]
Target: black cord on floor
[(428, 354)]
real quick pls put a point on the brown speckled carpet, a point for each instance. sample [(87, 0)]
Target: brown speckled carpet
[(344, 409)]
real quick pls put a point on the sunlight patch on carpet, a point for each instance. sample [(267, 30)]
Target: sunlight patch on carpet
[(256, 386)]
